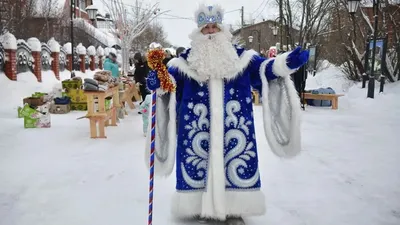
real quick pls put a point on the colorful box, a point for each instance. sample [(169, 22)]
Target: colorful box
[(77, 96), (108, 103), (34, 118), (34, 101), (19, 112), (60, 109), (72, 84)]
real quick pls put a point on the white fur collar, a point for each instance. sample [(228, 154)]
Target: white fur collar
[(182, 65)]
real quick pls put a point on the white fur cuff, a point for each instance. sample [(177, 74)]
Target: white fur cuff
[(280, 67)]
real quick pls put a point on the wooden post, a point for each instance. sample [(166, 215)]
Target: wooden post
[(55, 64), (10, 66), (82, 64), (37, 70)]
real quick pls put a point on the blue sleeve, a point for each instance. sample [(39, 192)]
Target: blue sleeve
[(257, 68), (179, 80)]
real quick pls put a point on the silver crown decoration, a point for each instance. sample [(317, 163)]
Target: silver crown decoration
[(209, 14)]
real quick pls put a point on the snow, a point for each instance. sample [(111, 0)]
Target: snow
[(348, 172), (91, 7), (113, 50), (91, 50), (68, 48), (332, 77), (80, 49), (107, 38), (54, 45), (34, 44), (100, 51), (107, 51), (22, 41), (8, 41)]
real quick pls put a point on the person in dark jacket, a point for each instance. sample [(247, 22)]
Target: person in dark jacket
[(299, 79), (179, 51), (168, 56), (141, 70)]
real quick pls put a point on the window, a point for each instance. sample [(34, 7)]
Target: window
[(82, 4)]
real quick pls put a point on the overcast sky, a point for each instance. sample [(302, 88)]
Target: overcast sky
[(178, 29)]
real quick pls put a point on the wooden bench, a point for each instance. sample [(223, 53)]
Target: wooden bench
[(130, 92), (100, 115), (334, 98)]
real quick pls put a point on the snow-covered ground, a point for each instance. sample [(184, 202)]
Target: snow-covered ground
[(348, 173)]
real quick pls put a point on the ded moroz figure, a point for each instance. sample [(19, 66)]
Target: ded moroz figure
[(206, 127)]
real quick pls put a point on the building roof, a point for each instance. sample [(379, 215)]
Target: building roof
[(251, 25)]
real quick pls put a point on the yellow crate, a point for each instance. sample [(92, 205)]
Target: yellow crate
[(77, 96)]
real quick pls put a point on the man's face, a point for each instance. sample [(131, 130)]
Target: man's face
[(210, 28)]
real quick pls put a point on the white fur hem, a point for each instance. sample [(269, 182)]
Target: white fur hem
[(280, 67), (293, 147), (163, 169), (238, 203), (182, 65), (213, 202)]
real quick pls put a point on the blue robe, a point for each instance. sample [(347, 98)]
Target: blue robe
[(206, 129)]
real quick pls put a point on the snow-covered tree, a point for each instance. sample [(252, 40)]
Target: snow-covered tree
[(130, 22)]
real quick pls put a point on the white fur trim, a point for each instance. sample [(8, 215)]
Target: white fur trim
[(263, 66), (280, 67), (238, 203), (213, 202), (294, 146), (164, 169), (182, 65)]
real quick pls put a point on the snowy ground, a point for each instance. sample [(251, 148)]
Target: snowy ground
[(348, 173)]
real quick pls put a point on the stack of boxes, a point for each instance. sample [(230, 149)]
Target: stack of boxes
[(73, 89), (35, 111)]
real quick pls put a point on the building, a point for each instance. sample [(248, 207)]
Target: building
[(391, 9), (80, 11), (262, 35)]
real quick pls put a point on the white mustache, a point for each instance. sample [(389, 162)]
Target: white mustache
[(211, 36)]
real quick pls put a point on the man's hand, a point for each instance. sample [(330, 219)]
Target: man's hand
[(152, 80), (297, 58)]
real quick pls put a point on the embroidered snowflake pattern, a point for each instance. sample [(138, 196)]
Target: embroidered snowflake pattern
[(186, 117), (231, 91), (185, 142), (241, 170), (190, 105), (201, 94), (200, 173), (248, 100)]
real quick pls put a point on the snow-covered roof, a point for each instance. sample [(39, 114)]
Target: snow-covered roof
[(107, 38)]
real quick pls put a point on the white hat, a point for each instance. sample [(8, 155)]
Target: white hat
[(209, 14)]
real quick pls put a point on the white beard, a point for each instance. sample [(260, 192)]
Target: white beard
[(213, 56)]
